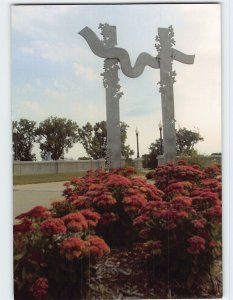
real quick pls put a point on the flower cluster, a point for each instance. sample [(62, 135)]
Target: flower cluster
[(72, 248), (23, 227), (53, 226), (170, 173), (95, 246), (116, 196), (75, 247), (35, 212), (197, 244), (58, 241), (40, 287), (187, 218), (91, 217), (75, 222)]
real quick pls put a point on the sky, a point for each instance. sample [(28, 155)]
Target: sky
[(54, 72)]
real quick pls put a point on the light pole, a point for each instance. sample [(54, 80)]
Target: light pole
[(15, 131), (137, 133), (99, 131), (161, 139)]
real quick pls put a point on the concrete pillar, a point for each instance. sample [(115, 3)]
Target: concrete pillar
[(138, 163)]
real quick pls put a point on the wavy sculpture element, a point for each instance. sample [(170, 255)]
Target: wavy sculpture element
[(98, 48)]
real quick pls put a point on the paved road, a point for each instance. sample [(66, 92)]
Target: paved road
[(29, 195)]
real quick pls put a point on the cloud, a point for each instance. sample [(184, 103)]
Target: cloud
[(50, 33), (30, 109), (54, 93), (27, 50), (87, 72)]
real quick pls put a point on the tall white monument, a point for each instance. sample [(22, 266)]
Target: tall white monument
[(163, 61)]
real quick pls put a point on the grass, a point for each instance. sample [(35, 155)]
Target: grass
[(41, 178)]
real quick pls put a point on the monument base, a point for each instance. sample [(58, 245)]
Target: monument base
[(123, 161), (160, 159), (138, 163)]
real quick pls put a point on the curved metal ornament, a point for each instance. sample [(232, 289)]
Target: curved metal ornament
[(99, 49)]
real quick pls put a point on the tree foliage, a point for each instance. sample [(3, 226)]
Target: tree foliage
[(56, 136), (186, 140), (94, 140), (24, 139)]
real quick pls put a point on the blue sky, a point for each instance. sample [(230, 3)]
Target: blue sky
[(55, 73)]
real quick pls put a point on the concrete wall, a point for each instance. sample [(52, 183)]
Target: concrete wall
[(204, 160), (55, 167)]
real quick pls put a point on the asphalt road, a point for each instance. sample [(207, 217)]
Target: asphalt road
[(27, 196)]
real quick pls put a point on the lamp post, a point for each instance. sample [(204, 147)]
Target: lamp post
[(15, 131), (137, 133), (161, 140), (99, 131)]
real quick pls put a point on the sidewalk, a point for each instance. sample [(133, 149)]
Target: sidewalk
[(27, 196)]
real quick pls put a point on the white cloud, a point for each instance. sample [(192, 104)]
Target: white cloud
[(31, 109), (27, 50), (54, 93), (38, 82), (87, 72)]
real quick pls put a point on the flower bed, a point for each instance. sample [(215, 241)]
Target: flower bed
[(52, 255), (115, 197), (182, 232), (176, 224)]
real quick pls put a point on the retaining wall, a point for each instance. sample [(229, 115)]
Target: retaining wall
[(204, 160), (55, 167)]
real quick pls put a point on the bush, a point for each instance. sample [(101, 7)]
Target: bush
[(176, 224), (52, 255), (116, 198), (182, 232)]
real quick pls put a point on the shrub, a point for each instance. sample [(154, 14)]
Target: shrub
[(52, 255), (182, 232), (115, 197)]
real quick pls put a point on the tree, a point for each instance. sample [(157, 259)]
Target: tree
[(23, 139), (94, 140), (56, 136), (186, 139), (150, 160)]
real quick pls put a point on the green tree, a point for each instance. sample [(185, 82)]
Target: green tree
[(151, 159), (94, 140), (186, 140), (23, 139), (56, 136)]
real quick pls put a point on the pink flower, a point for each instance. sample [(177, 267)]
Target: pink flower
[(40, 287), (53, 226), (91, 217), (35, 212), (95, 246), (72, 248), (115, 180), (181, 202), (23, 227), (197, 244), (75, 222), (200, 223), (140, 220)]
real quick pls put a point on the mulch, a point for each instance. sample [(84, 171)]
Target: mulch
[(124, 274)]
